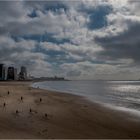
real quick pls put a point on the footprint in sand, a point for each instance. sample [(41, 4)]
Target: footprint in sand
[(42, 132), (45, 130), (17, 113)]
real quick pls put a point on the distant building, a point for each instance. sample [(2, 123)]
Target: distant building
[(11, 73), (3, 72), (15, 74), (23, 73)]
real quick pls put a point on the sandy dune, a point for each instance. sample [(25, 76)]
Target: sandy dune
[(58, 115)]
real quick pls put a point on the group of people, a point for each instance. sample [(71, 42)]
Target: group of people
[(30, 110)]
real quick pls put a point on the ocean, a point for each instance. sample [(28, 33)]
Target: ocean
[(122, 95)]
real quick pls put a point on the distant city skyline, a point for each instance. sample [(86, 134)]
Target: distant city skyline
[(13, 73), (76, 39)]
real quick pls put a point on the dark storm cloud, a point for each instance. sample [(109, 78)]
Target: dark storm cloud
[(124, 45)]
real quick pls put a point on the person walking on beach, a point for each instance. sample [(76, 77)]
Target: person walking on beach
[(17, 112), (4, 104), (30, 110), (21, 98), (40, 99)]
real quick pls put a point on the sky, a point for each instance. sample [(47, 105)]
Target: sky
[(84, 39)]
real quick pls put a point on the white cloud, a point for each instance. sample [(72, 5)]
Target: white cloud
[(61, 24)]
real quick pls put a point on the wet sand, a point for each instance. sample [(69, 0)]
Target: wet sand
[(45, 114)]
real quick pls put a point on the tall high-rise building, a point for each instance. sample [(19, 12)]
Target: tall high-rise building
[(10, 73), (2, 72), (15, 74), (5, 72), (23, 73)]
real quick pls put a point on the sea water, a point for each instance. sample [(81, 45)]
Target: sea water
[(124, 95)]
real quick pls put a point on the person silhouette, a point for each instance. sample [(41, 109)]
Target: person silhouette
[(30, 110), (21, 98), (40, 99), (46, 115), (4, 104), (17, 112)]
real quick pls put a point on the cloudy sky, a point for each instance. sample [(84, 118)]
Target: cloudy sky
[(85, 39)]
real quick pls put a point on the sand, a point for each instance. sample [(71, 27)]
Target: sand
[(59, 115)]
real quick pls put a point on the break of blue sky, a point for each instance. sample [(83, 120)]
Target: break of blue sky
[(54, 6), (97, 16), (42, 38), (85, 39)]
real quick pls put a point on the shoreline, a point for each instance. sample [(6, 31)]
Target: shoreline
[(68, 116), (129, 111)]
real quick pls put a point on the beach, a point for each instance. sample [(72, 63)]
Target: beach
[(27, 112)]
